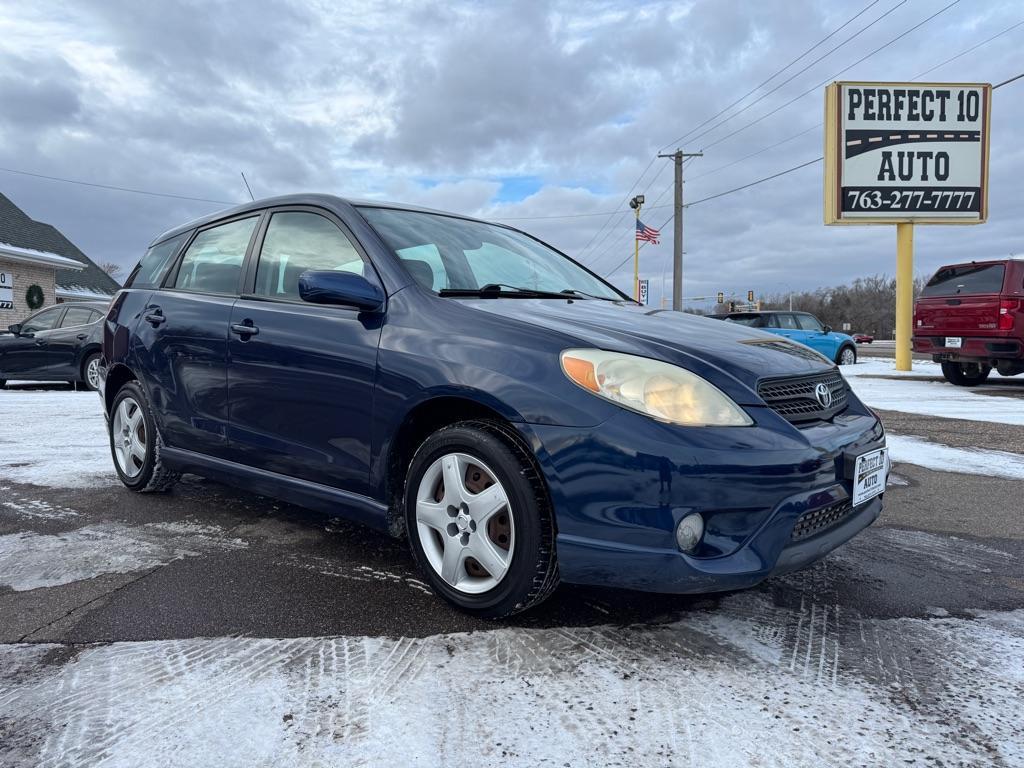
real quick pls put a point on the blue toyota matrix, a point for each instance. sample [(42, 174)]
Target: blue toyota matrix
[(467, 387)]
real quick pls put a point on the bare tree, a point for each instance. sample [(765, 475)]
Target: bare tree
[(868, 304), (111, 268)]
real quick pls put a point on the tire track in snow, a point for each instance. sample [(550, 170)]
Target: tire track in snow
[(611, 695)]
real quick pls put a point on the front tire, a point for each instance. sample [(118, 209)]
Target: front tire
[(479, 520), (966, 374), (847, 356), (135, 442)]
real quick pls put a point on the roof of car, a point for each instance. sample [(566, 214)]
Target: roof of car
[(318, 200)]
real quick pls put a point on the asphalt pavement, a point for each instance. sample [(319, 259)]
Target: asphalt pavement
[(225, 562)]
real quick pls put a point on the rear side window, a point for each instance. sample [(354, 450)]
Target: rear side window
[(213, 262), (967, 278), (77, 316), (786, 322), (151, 270), (295, 242)]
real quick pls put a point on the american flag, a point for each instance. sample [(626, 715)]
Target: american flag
[(643, 232)]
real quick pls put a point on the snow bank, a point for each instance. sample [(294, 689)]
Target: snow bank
[(911, 392), (55, 438), (944, 458)]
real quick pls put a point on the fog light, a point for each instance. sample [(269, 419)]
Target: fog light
[(689, 532)]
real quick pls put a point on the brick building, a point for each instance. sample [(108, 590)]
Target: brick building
[(36, 254)]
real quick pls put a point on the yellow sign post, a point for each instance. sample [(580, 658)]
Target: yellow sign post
[(905, 154)]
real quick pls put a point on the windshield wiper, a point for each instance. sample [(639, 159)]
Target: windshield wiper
[(495, 290), (575, 292)]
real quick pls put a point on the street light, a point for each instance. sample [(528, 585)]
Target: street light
[(636, 204)]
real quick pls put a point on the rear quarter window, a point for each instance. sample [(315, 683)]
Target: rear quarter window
[(966, 279), (151, 269)]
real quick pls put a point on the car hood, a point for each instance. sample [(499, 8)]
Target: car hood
[(711, 348)]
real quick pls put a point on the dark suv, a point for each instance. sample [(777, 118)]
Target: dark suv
[(465, 385)]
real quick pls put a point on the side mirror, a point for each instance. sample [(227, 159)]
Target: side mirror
[(827, 329), (15, 329), (345, 289)]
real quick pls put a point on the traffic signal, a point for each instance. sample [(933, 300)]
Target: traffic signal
[(732, 306), (721, 298), (750, 297)]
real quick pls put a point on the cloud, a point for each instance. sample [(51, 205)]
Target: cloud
[(448, 105)]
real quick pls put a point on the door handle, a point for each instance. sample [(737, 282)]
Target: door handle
[(40, 342), (82, 336), (155, 318), (244, 329)]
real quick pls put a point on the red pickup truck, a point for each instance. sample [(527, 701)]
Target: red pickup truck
[(970, 318)]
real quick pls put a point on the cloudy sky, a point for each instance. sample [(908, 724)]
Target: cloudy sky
[(504, 110)]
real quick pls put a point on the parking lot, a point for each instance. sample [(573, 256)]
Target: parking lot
[(153, 629)]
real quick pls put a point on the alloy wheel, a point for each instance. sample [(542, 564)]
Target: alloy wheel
[(92, 373), (128, 435), (464, 523), (848, 357)]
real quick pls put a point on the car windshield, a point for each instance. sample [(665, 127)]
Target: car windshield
[(444, 253)]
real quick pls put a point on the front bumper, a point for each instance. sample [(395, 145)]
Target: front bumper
[(620, 489)]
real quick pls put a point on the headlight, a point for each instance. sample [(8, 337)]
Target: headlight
[(657, 389)]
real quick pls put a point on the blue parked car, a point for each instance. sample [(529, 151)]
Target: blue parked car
[(803, 327), (468, 387)]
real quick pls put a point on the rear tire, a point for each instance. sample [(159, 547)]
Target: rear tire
[(499, 510), (135, 442), (966, 374), (91, 372)]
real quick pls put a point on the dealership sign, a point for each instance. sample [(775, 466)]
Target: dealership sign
[(906, 152), (6, 290)]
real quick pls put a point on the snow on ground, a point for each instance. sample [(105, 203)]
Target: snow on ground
[(30, 560), (909, 449), (56, 438), (911, 392), (748, 684)]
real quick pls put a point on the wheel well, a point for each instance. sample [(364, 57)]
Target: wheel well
[(116, 378), (422, 421)]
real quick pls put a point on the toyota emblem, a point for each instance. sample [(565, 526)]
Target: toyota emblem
[(823, 395)]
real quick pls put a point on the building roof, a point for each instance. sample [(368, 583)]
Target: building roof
[(21, 231)]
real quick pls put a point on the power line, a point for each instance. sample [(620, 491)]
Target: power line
[(842, 26), (729, 192), (116, 188), (820, 124), (773, 176), (972, 48), (620, 208), (795, 74), (833, 77), (1007, 82)]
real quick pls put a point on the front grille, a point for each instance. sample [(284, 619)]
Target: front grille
[(794, 399), (818, 520)]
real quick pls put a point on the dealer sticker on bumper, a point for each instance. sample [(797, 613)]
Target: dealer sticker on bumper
[(954, 342), (869, 475)]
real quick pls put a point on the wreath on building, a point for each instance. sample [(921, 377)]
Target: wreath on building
[(34, 297)]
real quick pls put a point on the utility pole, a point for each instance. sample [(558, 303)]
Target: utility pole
[(677, 256)]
